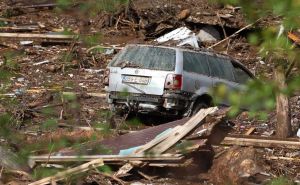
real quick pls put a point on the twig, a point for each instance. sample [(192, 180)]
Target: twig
[(50, 152), (224, 32), (234, 34), (1, 172), (103, 47), (290, 67), (109, 176), (116, 26)]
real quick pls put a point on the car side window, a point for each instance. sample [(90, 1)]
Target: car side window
[(220, 67), (241, 76), (195, 62)]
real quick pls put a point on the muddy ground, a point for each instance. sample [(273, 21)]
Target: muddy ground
[(47, 90)]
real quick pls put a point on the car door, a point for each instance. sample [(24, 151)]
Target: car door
[(196, 73), (221, 71), (241, 75)]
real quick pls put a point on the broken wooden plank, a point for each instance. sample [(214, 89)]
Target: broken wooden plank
[(73, 171), (261, 142), (37, 35), (124, 170), (47, 5), (154, 142), (283, 158), (19, 28), (250, 131), (105, 158), (100, 95), (177, 135)]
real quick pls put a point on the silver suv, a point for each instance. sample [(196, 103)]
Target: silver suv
[(169, 80)]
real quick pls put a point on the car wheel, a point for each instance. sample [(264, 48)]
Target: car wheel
[(197, 106)]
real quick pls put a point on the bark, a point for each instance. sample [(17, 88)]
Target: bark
[(283, 127), (236, 166)]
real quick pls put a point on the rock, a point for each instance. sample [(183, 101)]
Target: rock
[(209, 34), (51, 68), (183, 14)]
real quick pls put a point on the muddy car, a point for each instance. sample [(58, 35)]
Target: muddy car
[(169, 80)]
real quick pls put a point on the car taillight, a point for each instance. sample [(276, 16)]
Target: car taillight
[(106, 77), (173, 81)]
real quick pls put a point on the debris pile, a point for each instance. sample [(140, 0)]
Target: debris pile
[(56, 80)]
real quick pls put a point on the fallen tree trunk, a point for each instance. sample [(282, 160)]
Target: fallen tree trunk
[(283, 126)]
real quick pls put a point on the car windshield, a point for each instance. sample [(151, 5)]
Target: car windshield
[(146, 57)]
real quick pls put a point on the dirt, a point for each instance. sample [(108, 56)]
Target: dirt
[(39, 89)]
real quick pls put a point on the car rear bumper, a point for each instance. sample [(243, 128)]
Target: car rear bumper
[(168, 103)]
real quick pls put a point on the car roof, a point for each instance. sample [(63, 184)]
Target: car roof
[(200, 50)]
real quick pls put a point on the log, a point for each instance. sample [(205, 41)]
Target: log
[(235, 167), (261, 142), (73, 171)]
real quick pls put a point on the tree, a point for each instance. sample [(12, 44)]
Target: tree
[(277, 48)]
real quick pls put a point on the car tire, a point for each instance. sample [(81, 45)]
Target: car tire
[(197, 107)]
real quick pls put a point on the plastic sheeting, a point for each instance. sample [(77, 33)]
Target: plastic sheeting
[(183, 35)]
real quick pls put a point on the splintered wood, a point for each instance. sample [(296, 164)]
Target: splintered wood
[(178, 134)]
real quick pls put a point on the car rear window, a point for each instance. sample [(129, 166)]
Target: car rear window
[(241, 76), (220, 67), (154, 58)]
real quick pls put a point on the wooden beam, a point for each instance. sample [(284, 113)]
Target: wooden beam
[(261, 142), (105, 158), (36, 35), (73, 171), (250, 131)]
